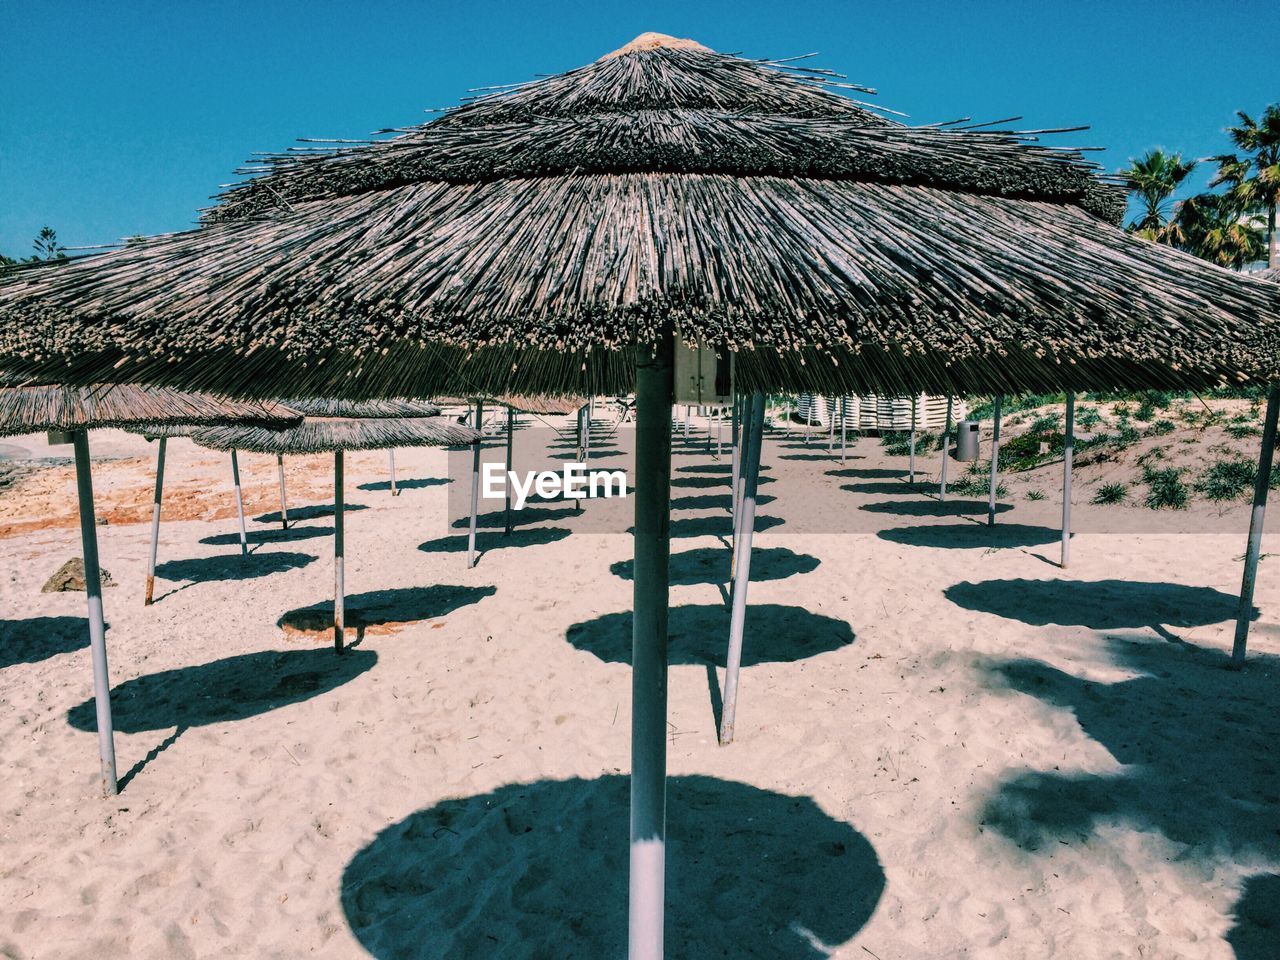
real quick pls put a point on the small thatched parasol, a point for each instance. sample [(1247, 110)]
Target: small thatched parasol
[(72, 410), (557, 237), (319, 434)]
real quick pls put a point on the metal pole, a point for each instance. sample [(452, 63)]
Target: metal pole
[(788, 417), (735, 457), (995, 464), (844, 427), (284, 508), (97, 628), (946, 452), (831, 430), (339, 552), (1068, 451), (654, 383), (719, 432), (742, 569), (235, 476), (155, 523), (913, 440), (1260, 485), (392, 455), (586, 434), (688, 415), (475, 490), (511, 426)]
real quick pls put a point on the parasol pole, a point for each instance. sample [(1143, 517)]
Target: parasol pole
[(392, 455), (946, 452), (742, 568), (155, 523), (844, 427), (654, 388), (339, 552), (913, 440), (1261, 483), (511, 426), (284, 507), (97, 628), (995, 464), (1068, 452), (235, 477), (475, 488)]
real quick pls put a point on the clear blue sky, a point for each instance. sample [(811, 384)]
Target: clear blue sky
[(122, 116)]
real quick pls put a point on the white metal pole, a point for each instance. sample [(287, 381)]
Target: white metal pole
[(844, 427), (284, 507), (391, 454), (97, 626), (995, 463), (654, 383), (475, 488), (913, 440), (1261, 483), (339, 552), (754, 430), (946, 453), (235, 477), (155, 523), (506, 485), (1068, 452)]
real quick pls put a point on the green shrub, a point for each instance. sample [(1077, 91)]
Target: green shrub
[(1023, 451), (1088, 417), (1165, 489), (1226, 479), (1035, 494), (896, 443), (1146, 411), (1162, 427), (1242, 430), (1127, 435), (1045, 423), (1111, 493)]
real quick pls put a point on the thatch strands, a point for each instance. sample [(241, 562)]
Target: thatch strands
[(332, 407), (327, 435), (541, 405), (34, 408), (523, 242)]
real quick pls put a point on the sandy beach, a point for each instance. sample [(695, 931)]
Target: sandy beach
[(946, 746)]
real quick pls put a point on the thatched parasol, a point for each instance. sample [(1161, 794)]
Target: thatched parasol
[(67, 410), (336, 435), (557, 237)]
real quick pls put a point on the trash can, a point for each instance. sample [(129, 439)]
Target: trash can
[(967, 440)]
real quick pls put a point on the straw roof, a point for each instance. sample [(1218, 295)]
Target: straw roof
[(329, 434), (522, 242), (541, 405), (29, 409), (1272, 274), (360, 410)]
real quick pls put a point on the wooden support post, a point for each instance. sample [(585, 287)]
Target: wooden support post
[(155, 523), (339, 553), (235, 477), (995, 464), (742, 567), (654, 386), (1261, 483), (97, 626)]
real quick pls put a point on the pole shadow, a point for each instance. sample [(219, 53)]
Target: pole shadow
[(1256, 932), (711, 565), (413, 483), (1097, 604), (391, 608), (539, 870), (699, 634), (39, 638)]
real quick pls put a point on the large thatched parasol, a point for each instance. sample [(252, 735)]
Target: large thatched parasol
[(68, 410), (324, 434), (556, 237)]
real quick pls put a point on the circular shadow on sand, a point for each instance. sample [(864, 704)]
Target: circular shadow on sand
[(539, 870), (38, 638), (1098, 604), (926, 507), (223, 690), (699, 635), (308, 512), (268, 536), (961, 536), (711, 565), (231, 566), (390, 607)]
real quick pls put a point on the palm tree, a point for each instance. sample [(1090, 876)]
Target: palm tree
[(47, 247), (1253, 175), (1152, 180), (1215, 227)]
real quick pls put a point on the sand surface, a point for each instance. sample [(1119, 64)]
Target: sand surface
[(946, 746)]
